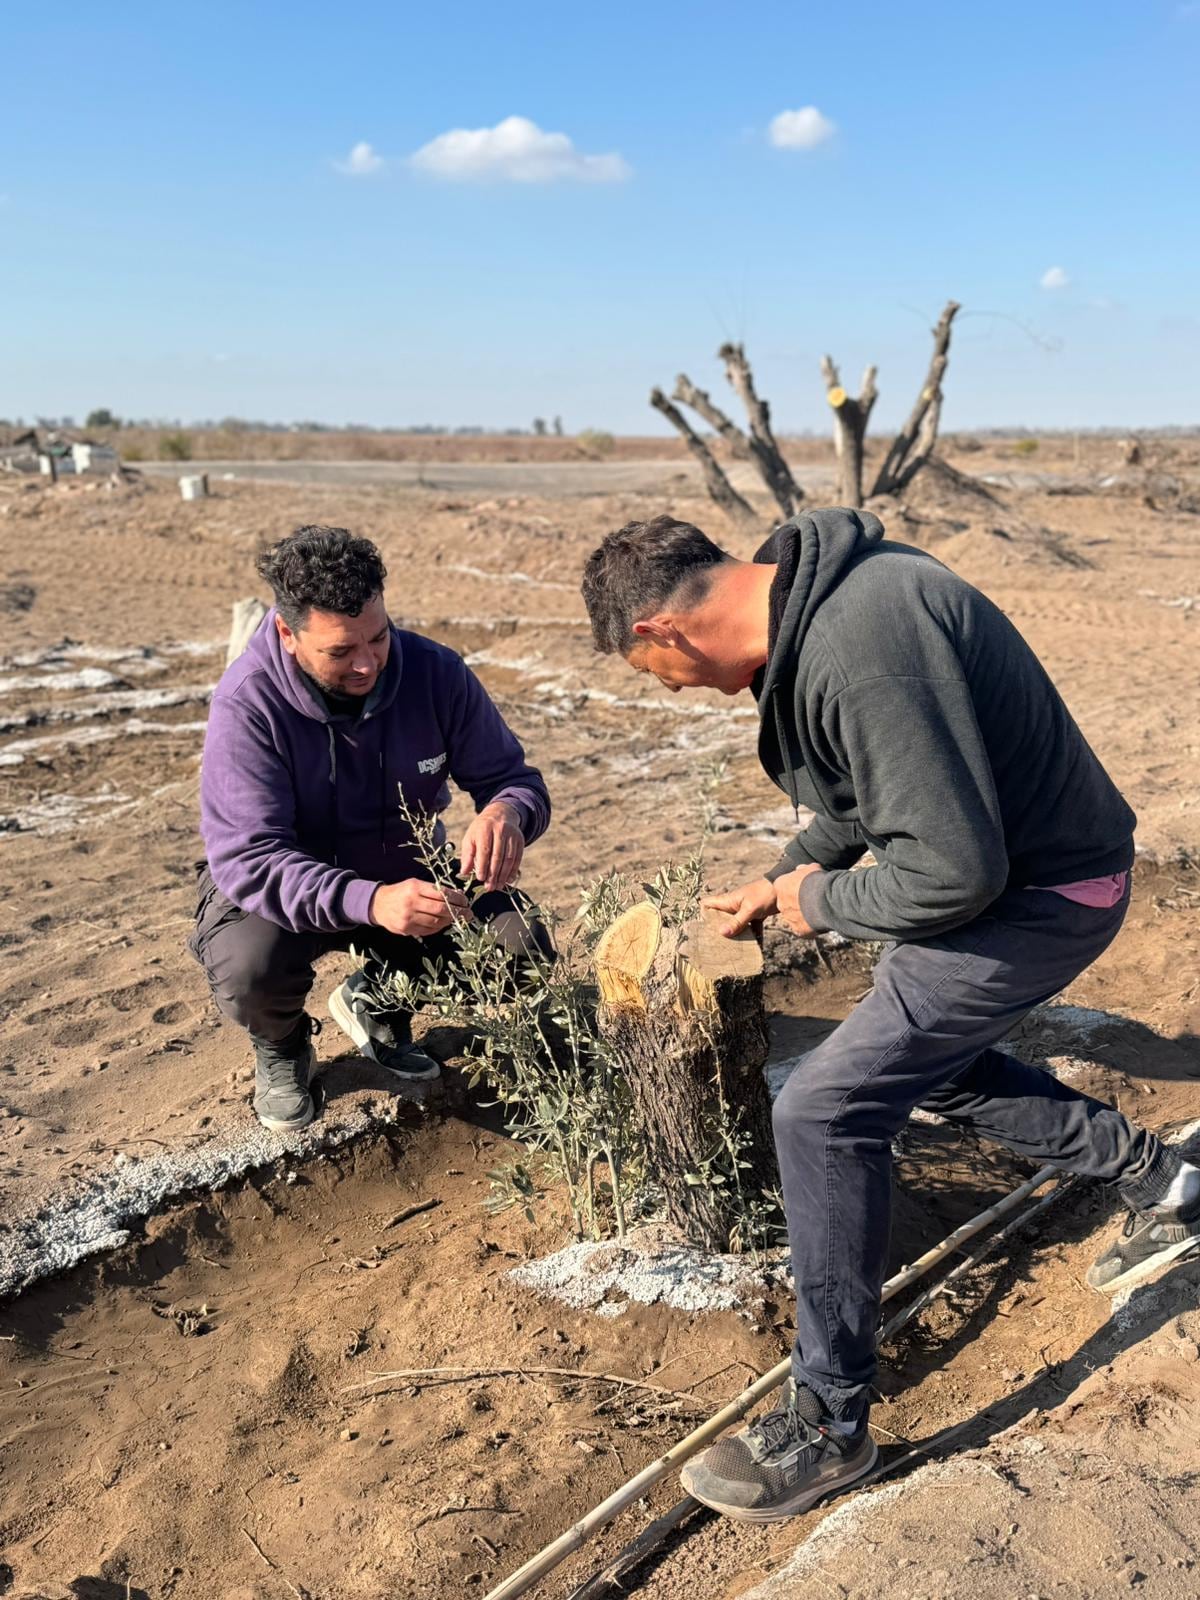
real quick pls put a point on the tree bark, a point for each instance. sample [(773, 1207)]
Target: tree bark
[(688, 394), (850, 418), (768, 457), (718, 485), (683, 1011), (914, 443)]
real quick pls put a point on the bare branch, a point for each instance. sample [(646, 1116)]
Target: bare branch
[(687, 394), (719, 486), (912, 446), (768, 458)]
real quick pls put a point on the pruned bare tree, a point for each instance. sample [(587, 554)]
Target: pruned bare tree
[(907, 454), (757, 445), (850, 418)]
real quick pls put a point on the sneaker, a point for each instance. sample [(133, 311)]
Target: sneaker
[(282, 1074), (781, 1465), (1148, 1241), (378, 1037)]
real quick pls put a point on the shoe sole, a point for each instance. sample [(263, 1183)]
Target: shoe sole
[(1179, 1251), (834, 1484), (278, 1125), (350, 1025)]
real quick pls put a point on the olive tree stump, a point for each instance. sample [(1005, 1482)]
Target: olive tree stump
[(682, 1010)]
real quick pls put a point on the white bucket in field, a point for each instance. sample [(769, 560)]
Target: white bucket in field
[(195, 488), (94, 458)]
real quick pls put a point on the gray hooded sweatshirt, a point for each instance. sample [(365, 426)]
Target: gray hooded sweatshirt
[(904, 709)]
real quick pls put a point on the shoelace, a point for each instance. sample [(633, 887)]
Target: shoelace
[(779, 1428), (281, 1069)]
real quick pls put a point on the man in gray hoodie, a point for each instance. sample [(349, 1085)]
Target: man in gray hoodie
[(904, 710), (327, 739)]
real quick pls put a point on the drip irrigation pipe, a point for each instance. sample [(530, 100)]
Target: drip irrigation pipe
[(973, 1260), (546, 1560)]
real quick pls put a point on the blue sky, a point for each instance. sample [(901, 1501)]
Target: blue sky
[(184, 231)]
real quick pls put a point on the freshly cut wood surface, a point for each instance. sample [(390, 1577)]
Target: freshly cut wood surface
[(626, 953)]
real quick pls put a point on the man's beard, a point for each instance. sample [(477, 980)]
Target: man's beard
[(335, 686)]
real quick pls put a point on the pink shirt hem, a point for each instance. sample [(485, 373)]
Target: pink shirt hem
[(1099, 892)]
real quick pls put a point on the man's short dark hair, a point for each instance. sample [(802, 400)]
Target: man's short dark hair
[(640, 567), (321, 569)]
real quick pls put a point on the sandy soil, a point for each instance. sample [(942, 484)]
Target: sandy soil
[(116, 606)]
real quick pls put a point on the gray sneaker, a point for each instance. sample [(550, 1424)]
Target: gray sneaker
[(1148, 1241), (282, 1073), (781, 1465), (380, 1036)]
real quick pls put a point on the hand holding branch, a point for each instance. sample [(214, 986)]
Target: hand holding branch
[(493, 846), (417, 909)]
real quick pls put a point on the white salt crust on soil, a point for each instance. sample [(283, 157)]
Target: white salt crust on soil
[(100, 1212), (608, 1277)]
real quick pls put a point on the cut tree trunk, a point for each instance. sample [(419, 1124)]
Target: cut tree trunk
[(682, 1009), (247, 614), (718, 485), (850, 418)]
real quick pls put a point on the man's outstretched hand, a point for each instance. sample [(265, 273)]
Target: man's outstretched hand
[(755, 902), (493, 846), (417, 909)]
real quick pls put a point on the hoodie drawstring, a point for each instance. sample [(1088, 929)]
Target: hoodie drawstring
[(791, 759), (333, 781)]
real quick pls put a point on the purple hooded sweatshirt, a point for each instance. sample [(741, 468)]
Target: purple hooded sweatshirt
[(300, 808)]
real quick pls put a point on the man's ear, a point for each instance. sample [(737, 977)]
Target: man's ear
[(286, 637), (656, 630)]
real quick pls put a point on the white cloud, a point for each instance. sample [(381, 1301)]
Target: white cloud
[(800, 130), (514, 151), (1054, 278), (362, 161)]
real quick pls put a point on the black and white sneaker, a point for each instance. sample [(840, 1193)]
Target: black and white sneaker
[(379, 1036), (781, 1465), (1148, 1241), (283, 1073)]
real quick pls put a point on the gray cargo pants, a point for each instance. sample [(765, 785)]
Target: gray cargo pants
[(260, 973), (925, 1036)]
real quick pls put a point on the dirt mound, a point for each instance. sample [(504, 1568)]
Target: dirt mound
[(970, 526)]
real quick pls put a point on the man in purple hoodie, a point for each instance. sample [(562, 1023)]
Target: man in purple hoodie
[(330, 725)]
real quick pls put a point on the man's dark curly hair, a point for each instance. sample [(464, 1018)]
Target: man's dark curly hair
[(322, 569)]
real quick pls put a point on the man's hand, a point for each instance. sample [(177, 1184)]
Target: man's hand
[(753, 902), (787, 890), (493, 845), (417, 909)]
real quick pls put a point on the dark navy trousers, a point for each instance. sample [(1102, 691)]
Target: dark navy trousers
[(926, 1035)]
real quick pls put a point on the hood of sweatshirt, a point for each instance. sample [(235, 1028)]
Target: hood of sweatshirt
[(813, 553), (265, 653)]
